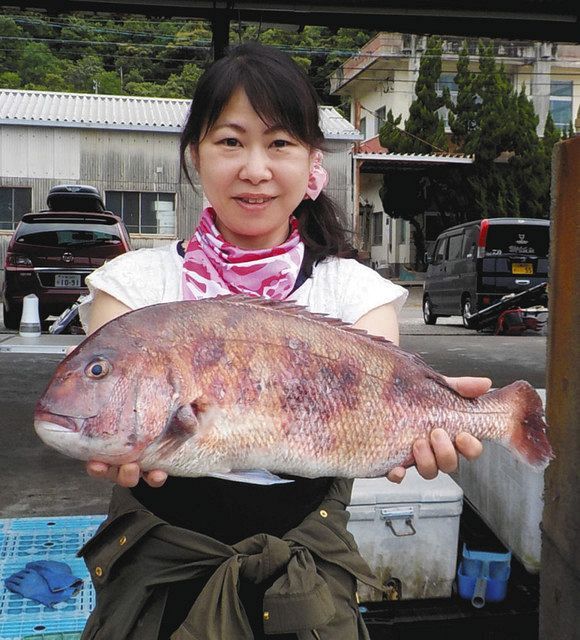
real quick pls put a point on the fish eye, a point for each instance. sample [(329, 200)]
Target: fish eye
[(98, 369)]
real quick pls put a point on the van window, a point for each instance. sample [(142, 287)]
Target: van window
[(440, 251), (470, 243), (455, 245), (517, 239)]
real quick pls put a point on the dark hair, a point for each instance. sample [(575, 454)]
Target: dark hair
[(281, 94)]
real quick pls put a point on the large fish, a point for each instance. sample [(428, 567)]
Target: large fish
[(212, 386)]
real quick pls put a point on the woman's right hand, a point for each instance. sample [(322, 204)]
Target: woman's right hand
[(126, 475)]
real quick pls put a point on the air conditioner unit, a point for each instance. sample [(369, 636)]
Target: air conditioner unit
[(546, 50)]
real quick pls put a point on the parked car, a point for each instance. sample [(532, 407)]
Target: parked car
[(474, 265), (51, 252)]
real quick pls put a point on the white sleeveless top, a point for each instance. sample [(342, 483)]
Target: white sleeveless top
[(339, 287)]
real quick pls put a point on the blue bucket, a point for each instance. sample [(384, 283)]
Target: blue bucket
[(483, 576)]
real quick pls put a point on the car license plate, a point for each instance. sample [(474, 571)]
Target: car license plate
[(67, 280), (523, 269)]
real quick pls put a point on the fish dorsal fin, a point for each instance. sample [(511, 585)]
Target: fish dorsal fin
[(290, 307)]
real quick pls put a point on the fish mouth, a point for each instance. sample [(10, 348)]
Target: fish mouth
[(55, 422)]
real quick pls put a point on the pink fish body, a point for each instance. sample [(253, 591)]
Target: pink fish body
[(210, 386)]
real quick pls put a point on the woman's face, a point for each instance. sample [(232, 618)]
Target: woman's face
[(253, 175)]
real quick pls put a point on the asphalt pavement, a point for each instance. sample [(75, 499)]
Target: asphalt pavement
[(39, 481), (453, 350)]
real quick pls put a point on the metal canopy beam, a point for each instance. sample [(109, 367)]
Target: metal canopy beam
[(557, 20)]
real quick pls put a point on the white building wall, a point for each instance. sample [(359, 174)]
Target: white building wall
[(39, 152), (392, 89)]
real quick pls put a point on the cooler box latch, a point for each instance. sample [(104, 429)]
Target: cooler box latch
[(396, 514)]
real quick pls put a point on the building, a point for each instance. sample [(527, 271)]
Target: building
[(128, 148), (382, 77)]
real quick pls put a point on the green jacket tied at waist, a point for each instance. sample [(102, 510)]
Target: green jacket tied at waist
[(135, 556)]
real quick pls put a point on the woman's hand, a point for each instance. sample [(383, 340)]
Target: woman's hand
[(127, 475), (439, 453)]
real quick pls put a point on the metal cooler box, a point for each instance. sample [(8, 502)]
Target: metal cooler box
[(408, 533)]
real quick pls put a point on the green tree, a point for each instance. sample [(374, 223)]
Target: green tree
[(463, 113), (173, 88), (570, 132), (144, 89), (53, 82), (424, 127), (85, 73), (10, 80), (109, 83), (551, 135), (527, 167), (134, 75), (493, 191), (390, 134), (10, 55), (493, 130), (190, 74), (36, 62)]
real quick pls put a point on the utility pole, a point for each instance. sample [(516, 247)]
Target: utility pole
[(220, 25), (560, 572)]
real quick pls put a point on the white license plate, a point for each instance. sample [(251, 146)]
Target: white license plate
[(67, 280)]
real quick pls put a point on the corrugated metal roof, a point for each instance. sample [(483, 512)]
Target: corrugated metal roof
[(86, 110), (45, 108), (336, 127), (415, 158)]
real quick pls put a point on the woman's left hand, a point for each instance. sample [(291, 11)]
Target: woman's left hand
[(439, 453)]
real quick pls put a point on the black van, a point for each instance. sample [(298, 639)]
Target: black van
[(474, 265)]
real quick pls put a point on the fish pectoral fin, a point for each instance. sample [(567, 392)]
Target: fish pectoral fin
[(250, 476), (185, 421), (182, 425)]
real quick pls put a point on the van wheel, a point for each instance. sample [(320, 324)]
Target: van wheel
[(428, 316), (12, 318), (466, 312)]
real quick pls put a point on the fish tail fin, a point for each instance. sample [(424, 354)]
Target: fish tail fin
[(527, 438)]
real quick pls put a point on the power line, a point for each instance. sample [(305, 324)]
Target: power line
[(179, 21), (202, 43), (98, 30), (206, 44)]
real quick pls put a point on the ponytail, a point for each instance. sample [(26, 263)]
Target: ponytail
[(322, 230)]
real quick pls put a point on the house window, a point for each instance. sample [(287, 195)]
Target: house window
[(14, 203), (377, 228), (380, 117), (446, 80), (561, 102), (144, 212), (362, 127)]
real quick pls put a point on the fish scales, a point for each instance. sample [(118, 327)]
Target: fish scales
[(209, 386)]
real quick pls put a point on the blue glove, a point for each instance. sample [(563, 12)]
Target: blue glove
[(45, 581)]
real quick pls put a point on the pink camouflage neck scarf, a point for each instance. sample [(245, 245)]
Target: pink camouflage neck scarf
[(212, 266)]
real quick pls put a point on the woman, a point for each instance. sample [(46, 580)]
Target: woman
[(252, 135)]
